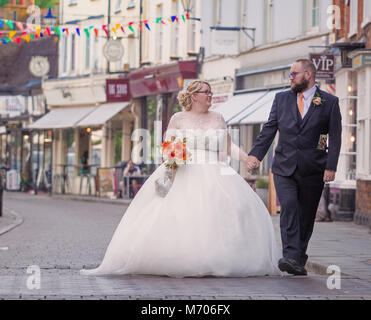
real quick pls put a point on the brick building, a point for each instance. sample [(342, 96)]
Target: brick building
[(351, 192)]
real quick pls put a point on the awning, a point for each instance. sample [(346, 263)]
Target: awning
[(62, 118), (160, 79), (102, 114), (248, 108)]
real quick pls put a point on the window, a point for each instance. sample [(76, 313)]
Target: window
[(192, 36), (96, 56), (131, 4), (366, 12), (269, 21), (73, 52), (72, 2), (64, 54), (175, 29), (218, 12), (132, 53), (118, 6), (159, 35), (315, 13), (87, 54), (353, 17)]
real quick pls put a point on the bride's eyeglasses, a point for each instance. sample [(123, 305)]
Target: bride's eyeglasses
[(207, 92)]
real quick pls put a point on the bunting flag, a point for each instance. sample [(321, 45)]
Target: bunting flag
[(105, 29), (10, 24), (130, 27), (57, 31), (30, 31), (146, 24), (87, 32), (19, 25)]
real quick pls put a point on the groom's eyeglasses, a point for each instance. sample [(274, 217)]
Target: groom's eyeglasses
[(207, 92), (294, 74)]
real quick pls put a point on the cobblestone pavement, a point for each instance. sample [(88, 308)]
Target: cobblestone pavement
[(61, 236)]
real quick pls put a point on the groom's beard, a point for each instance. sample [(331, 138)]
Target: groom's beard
[(300, 87)]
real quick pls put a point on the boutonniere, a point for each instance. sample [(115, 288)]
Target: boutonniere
[(317, 100)]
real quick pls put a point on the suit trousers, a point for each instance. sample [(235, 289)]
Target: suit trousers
[(299, 197)]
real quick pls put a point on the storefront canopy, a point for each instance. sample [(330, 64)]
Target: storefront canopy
[(248, 108), (102, 114), (79, 116), (62, 118)]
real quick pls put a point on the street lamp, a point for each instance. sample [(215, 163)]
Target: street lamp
[(49, 18), (188, 7)]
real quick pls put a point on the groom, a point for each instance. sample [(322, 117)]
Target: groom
[(304, 116)]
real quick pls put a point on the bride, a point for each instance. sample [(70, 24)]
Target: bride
[(210, 223)]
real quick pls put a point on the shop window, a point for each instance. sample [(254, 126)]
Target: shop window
[(26, 177), (70, 148), (96, 156), (117, 140)]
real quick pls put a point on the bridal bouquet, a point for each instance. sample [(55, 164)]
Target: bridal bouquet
[(174, 154)]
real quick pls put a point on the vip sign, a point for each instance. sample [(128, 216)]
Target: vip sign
[(324, 64)]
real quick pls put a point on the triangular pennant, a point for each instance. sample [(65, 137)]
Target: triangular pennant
[(96, 32), (87, 32), (173, 18), (3, 41), (114, 31), (1, 24), (104, 27), (183, 17), (12, 34), (10, 24), (48, 31), (29, 27), (18, 40), (146, 24), (130, 26), (26, 37), (122, 29), (32, 36), (19, 25), (78, 31), (57, 31), (140, 27), (66, 30)]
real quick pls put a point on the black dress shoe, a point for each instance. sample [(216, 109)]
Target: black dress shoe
[(292, 267)]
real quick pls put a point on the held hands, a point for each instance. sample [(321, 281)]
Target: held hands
[(328, 176), (252, 162)]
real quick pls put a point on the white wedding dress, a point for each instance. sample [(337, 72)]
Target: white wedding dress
[(210, 223)]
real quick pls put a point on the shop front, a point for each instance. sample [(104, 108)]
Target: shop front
[(154, 93), (85, 139)]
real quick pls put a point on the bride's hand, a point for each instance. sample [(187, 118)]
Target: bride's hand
[(251, 163)]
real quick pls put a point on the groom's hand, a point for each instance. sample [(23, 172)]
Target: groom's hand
[(328, 176), (252, 163)]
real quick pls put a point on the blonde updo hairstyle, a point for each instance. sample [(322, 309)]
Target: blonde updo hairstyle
[(184, 97)]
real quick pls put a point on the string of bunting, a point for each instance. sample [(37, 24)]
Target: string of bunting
[(34, 31)]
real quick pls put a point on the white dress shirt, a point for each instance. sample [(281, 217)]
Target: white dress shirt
[(307, 98)]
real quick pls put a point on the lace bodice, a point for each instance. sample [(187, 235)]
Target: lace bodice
[(203, 132), (187, 120)]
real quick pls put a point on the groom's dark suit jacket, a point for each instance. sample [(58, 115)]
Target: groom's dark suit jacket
[(298, 144)]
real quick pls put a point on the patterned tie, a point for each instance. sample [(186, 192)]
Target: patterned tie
[(301, 103)]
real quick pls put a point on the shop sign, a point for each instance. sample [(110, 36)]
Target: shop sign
[(324, 64), (362, 60), (117, 90), (12, 105)]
